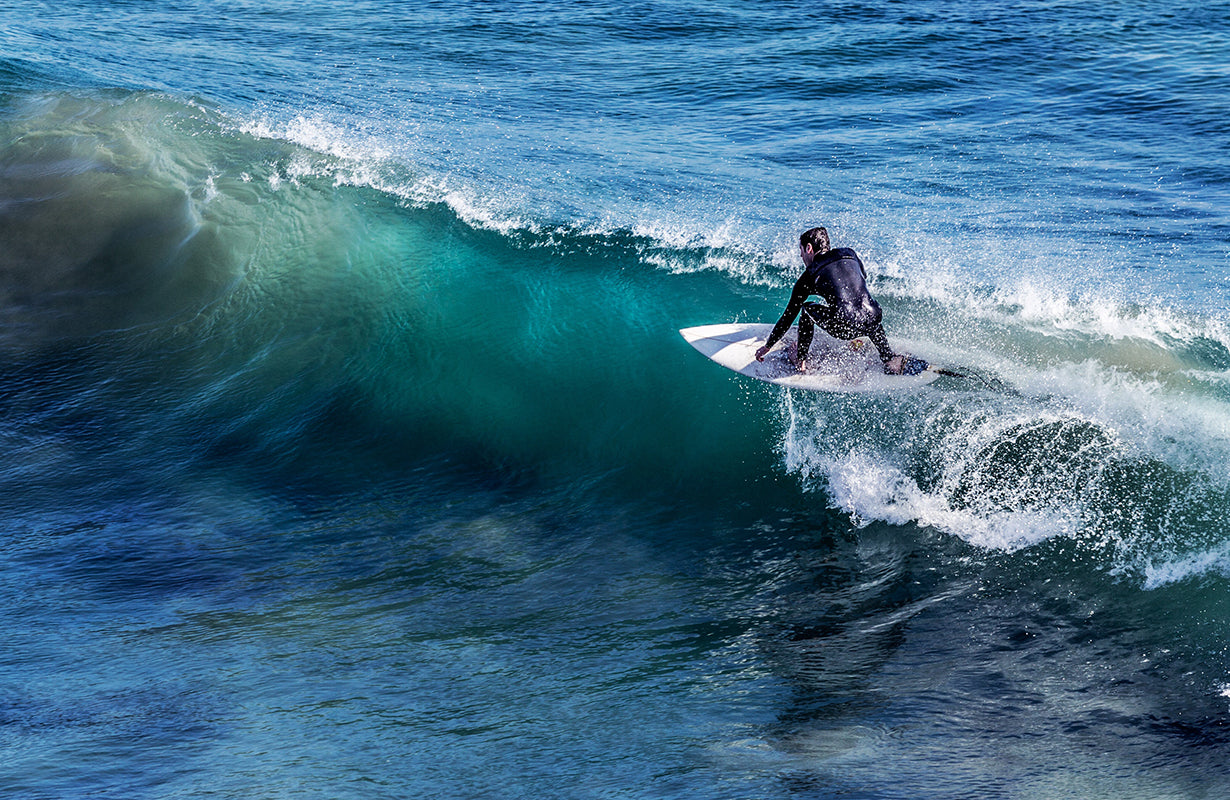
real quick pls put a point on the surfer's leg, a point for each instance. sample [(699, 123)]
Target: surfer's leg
[(894, 363), (807, 328), (880, 340)]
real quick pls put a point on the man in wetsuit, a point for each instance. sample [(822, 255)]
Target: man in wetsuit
[(848, 311)]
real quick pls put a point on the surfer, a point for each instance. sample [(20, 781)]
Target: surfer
[(848, 312)]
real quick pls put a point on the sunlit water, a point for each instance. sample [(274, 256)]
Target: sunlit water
[(350, 450)]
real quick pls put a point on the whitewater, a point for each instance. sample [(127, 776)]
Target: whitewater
[(350, 448)]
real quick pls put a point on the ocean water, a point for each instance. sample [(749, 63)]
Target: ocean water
[(350, 449)]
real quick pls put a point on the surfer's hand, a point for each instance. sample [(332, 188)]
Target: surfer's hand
[(761, 353)]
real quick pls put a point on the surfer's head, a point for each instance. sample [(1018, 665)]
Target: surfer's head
[(817, 239)]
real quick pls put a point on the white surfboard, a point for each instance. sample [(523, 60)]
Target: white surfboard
[(832, 365)]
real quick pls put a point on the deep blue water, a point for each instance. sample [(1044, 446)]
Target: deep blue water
[(350, 449)]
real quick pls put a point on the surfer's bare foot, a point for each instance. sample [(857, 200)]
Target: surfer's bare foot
[(895, 365)]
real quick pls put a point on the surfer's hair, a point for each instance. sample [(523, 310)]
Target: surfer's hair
[(818, 238)]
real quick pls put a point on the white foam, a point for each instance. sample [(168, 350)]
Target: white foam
[(318, 135), (1185, 429), (1164, 572), (1102, 418), (1031, 304), (868, 487), (865, 481), (361, 159)]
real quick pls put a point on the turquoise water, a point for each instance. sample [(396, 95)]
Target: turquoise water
[(350, 449)]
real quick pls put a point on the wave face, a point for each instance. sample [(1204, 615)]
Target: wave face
[(250, 290), (350, 448)]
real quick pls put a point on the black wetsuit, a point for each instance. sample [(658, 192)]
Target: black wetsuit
[(838, 277)]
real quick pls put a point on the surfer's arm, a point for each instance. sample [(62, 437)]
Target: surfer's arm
[(797, 298)]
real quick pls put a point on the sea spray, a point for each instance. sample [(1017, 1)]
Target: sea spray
[(1098, 465)]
